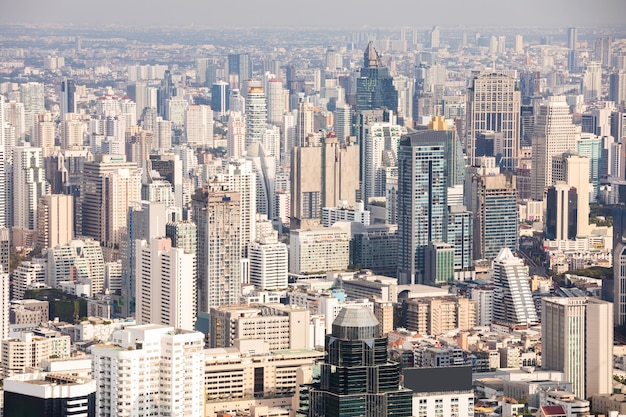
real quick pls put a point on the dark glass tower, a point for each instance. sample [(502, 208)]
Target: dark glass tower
[(356, 378), (375, 89)]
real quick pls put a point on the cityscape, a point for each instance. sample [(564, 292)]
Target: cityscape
[(419, 216)]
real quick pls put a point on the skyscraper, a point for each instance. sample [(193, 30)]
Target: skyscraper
[(166, 291), (617, 88), (29, 181), (572, 45), (256, 114), (240, 65), (433, 37), (220, 95), (236, 136), (268, 264), (275, 101), (374, 88), (199, 126), (553, 134), (217, 214), (55, 220), (591, 81), (422, 199), (304, 124), (573, 169), (33, 98), (43, 133), (493, 103), (512, 289), (561, 212), (577, 339), (381, 152), (68, 97), (356, 377)]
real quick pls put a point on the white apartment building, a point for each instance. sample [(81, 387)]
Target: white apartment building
[(199, 126), (30, 348), (78, 261), (150, 370), (344, 213), (166, 291), (268, 263), (27, 274), (319, 249)]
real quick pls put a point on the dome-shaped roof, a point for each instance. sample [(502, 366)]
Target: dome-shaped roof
[(355, 322)]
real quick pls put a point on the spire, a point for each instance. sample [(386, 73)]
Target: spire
[(371, 59)]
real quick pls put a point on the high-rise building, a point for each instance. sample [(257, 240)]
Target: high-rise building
[(29, 182), (217, 214), (305, 125), (515, 306), (68, 97), (43, 133), (422, 199), (80, 261), (322, 176), (590, 146), (433, 37), (573, 169), (553, 134), (55, 220), (561, 212), (572, 45), (5, 298), (374, 87), (32, 96), (165, 290), (342, 122), (150, 370), (220, 95), (109, 185), (256, 114), (381, 152), (49, 394), (275, 101), (268, 264), (602, 50), (356, 374), (199, 126), (236, 136), (28, 349), (493, 104), (496, 218), (240, 65), (591, 81), (72, 129), (577, 339), (617, 88), (318, 249)]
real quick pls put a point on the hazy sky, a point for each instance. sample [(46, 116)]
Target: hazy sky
[(316, 13)]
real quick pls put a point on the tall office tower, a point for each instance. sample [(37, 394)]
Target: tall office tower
[(590, 146), (6, 153), (342, 122), (321, 176), (236, 136), (166, 91), (433, 37), (374, 87), (163, 134), (29, 182), (33, 99), (553, 134), (43, 133), (356, 374), (175, 111), (275, 102), (241, 66), (305, 124), (165, 291), (573, 170), (171, 380), (236, 101), (220, 97), (422, 200), (5, 244), (170, 167), (271, 141), (519, 44), (406, 88), (72, 132), (572, 45), (55, 220), (199, 126), (512, 289), (201, 68), (493, 103), (290, 133), (530, 85), (268, 264), (617, 88), (264, 167), (527, 125), (146, 221), (128, 110), (256, 114), (602, 50), (138, 145), (496, 220), (381, 152), (68, 97), (619, 265), (591, 82), (217, 214), (100, 213), (577, 339), (138, 93), (561, 212)]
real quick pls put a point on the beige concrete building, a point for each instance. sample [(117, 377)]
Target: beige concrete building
[(27, 351), (322, 176), (383, 311), (237, 376), (55, 223), (318, 249), (435, 316), (282, 327)]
